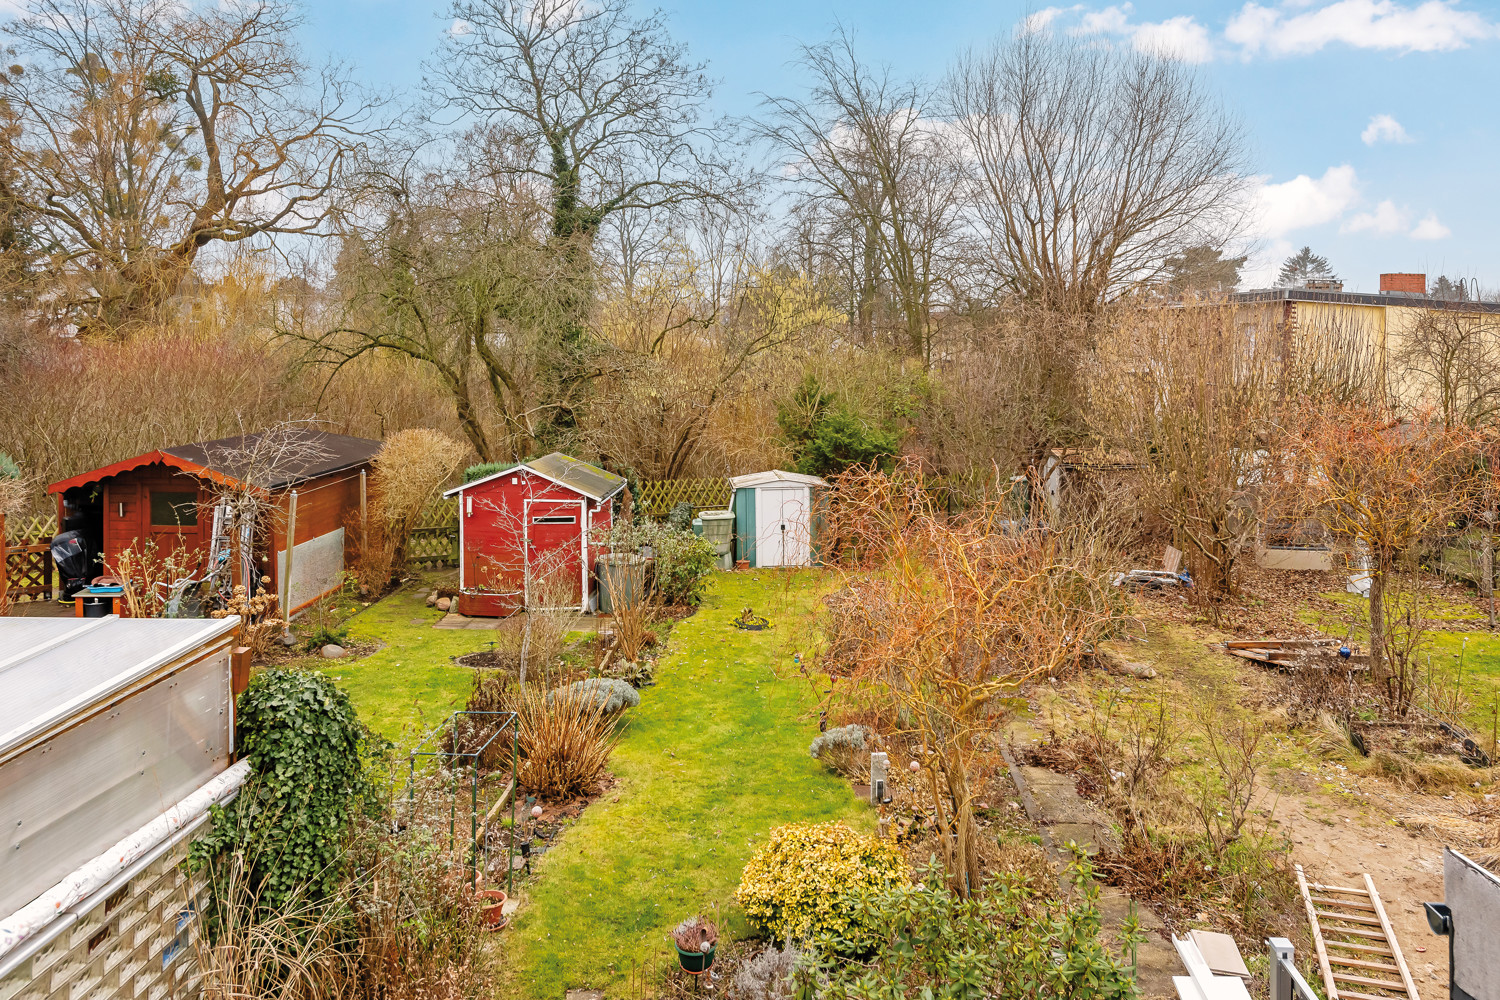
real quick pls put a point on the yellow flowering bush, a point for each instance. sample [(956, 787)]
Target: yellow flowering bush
[(808, 880)]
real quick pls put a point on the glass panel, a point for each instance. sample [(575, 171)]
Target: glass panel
[(555, 519), (173, 509)]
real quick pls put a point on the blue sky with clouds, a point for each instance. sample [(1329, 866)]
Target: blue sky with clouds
[(1372, 125)]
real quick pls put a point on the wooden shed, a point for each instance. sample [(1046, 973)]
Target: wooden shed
[(773, 518), (316, 483), (531, 526)]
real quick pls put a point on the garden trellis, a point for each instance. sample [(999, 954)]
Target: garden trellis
[(479, 829)]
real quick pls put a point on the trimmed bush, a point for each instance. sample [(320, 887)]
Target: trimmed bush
[(812, 880), (608, 694), (840, 738)]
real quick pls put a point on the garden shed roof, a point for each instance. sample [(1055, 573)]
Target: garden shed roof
[(579, 476), (310, 454), (52, 668), (776, 476)]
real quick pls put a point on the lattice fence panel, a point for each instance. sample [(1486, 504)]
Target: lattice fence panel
[(434, 545), (658, 496), (29, 529), (28, 557)]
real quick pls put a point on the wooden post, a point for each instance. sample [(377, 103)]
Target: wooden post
[(4, 565), (364, 520), (286, 569)]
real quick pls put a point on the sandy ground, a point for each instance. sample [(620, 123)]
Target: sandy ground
[(1398, 838)]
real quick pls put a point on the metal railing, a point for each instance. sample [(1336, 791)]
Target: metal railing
[(1286, 982)]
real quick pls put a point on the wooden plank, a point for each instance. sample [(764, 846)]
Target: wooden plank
[(1350, 918), (1372, 949), (1354, 995), (1383, 984), (1317, 936), (1358, 932), (505, 795), (1358, 963), (1320, 887), (1390, 936), (1343, 902)]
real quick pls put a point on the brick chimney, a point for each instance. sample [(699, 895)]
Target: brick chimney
[(1409, 284)]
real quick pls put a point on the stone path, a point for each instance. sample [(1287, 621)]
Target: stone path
[(1052, 802)]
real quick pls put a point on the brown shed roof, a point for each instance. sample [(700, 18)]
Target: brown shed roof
[(301, 454)]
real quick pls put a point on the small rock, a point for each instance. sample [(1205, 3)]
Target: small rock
[(332, 651), (443, 604), (432, 599)]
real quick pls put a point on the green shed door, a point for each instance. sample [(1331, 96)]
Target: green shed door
[(744, 524)]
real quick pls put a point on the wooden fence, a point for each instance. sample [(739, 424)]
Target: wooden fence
[(28, 558), (434, 545), (658, 496)]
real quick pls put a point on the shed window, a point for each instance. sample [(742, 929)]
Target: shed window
[(173, 510), (554, 519)]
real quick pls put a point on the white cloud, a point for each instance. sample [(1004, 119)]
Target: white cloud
[(1384, 128), (1303, 201), (1293, 28), (1431, 229), (1384, 221), (1175, 38), (459, 28), (1037, 22)]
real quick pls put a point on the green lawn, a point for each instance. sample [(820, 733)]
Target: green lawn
[(714, 757), (411, 684), (1470, 660)]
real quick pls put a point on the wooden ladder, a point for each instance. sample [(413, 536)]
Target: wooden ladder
[(1357, 948)]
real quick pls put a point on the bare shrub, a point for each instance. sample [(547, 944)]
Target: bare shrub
[(944, 618), (565, 741), (1235, 757), (259, 623), (768, 976), (411, 469), (153, 580)]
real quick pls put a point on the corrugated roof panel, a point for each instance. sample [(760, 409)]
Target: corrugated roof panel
[(587, 479), (52, 667)]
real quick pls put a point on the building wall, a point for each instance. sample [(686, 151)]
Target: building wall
[(493, 558), (326, 507), (138, 941), (127, 511)]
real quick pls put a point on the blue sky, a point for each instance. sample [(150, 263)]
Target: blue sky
[(1371, 123)]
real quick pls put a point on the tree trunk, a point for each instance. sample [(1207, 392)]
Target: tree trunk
[(1487, 565), (1377, 623)]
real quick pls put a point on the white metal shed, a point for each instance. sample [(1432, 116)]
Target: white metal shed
[(773, 518), (115, 737)]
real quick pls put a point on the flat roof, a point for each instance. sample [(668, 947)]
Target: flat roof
[(51, 668), (1364, 299)]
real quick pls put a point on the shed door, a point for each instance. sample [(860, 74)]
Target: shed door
[(782, 528), (554, 553)]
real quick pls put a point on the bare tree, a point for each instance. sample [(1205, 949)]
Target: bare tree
[(1192, 397), (1092, 166), (458, 275), (1449, 360), (864, 148), (608, 107), (142, 131)]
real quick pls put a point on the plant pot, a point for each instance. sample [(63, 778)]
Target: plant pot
[(694, 962), (493, 909)]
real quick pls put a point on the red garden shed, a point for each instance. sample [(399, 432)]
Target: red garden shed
[(531, 526), (315, 480)]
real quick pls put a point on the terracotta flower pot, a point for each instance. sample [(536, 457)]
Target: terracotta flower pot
[(493, 909)]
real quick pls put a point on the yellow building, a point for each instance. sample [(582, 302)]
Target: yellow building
[(1439, 354)]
